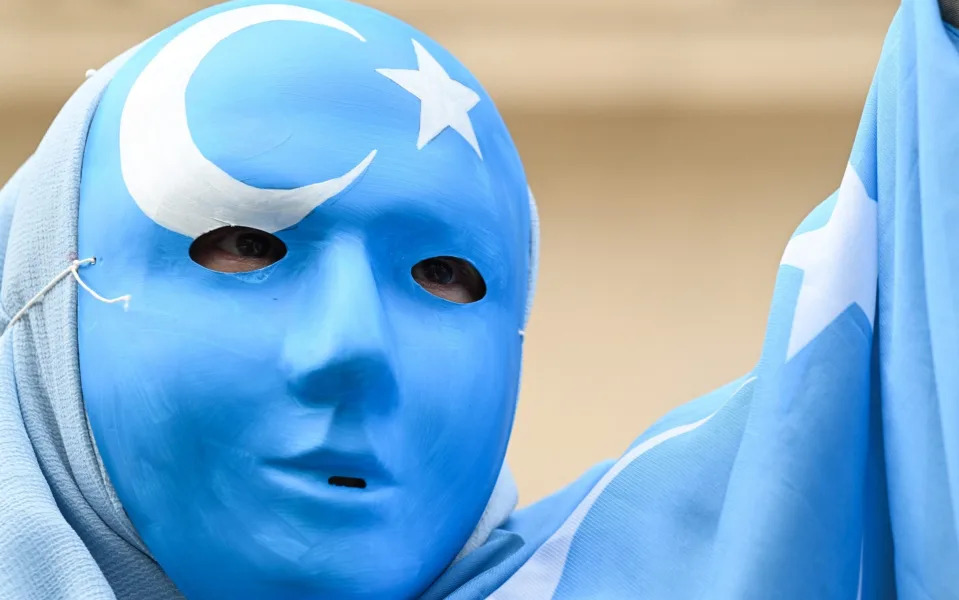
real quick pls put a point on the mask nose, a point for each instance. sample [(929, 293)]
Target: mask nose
[(339, 350)]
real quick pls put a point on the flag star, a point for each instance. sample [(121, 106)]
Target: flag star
[(443, 101), (838, 262)]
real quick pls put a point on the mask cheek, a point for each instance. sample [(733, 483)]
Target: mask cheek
[(459, 399), (164, 388), (455, 425)]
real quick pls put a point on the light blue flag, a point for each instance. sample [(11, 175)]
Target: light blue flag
[(831, 471)]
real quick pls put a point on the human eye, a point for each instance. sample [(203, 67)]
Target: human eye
[(237, 249), (453, 279)]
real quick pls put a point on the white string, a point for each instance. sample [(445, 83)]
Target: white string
[(90, 73), (125, 299), (71, 270)]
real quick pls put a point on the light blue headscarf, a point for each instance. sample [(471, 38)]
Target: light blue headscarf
[(63, 533), (830, 471)]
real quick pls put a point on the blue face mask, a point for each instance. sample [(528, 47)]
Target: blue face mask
[(328, 425)]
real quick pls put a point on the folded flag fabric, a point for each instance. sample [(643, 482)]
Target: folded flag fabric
[(831, 471)]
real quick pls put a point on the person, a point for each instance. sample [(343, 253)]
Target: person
[(304, 251)]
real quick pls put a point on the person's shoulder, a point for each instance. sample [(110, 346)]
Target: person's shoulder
[(695, 411)]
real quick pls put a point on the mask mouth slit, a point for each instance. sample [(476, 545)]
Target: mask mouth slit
[(351, 482)]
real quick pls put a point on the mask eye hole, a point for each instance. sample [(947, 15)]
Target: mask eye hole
[(451, 278), (237, 249)]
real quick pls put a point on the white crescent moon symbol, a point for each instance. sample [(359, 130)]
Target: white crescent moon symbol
[(167, 175)]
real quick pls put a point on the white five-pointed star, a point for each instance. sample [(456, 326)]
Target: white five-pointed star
[(838, 262), (443, 102)]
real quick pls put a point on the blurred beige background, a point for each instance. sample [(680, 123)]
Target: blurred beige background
[(673, 146)]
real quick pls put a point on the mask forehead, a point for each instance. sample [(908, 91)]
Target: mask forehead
[(344, 107)]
